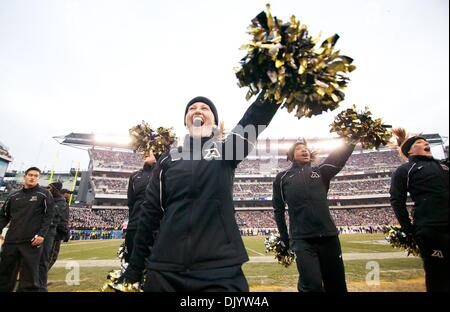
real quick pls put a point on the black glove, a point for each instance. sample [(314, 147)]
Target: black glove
[(131, 275), (284, 243), (62, 233), (66, 238), (408, 229), (410, 240)]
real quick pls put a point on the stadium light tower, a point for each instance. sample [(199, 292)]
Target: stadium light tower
[(90, 140)]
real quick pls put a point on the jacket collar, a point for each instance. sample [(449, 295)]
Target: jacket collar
[(191, 143), (147, 167), (300, 166), (30, 189), (417, 158)]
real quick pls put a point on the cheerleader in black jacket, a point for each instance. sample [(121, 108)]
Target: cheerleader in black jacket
[(426, 180), (188, 214), (313, 236)]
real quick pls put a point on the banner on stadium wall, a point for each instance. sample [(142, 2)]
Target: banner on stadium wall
[(95, 234)]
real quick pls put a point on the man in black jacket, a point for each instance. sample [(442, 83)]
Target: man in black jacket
[(136, 194), (29, 212), (188, 215), (426, 180), (313, 234), (62, 228), (58, 228)]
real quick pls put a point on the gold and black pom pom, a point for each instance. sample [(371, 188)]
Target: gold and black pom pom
[(284, 255), (360, 127), (399, 239), (282, 58), (144, 139), (115, 282)]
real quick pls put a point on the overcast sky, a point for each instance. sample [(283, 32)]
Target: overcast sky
[(103, 66)]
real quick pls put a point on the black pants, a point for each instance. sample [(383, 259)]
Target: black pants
[(229, 279), (22, 258), (320, 265), (129, 243), (55, 252), (44, 264), (434, 246)]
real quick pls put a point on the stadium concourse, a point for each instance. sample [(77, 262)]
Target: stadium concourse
[(358, 196)]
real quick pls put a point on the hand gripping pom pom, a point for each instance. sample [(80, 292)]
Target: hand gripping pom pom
[(399, 239), (115, 280), (283, 254)]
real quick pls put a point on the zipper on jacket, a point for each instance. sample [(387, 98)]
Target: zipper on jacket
[(302, 174), (311, 209), (187, 258)]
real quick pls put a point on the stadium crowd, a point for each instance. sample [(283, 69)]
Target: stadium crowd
[(110, 186), (263, 190), (380, 160), (360, 187), (115, 159), (85, 218)]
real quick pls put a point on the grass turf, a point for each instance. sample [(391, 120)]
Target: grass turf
[(395, 274)]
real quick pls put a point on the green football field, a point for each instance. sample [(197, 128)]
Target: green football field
[(370, 263)]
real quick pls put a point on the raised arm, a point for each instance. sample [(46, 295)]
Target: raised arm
[(336, 161), (243, 137)]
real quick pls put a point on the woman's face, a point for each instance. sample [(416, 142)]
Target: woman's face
[(200, 120), (302, 154), (420, 147)]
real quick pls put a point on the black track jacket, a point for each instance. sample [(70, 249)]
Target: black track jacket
[(304, 189), (426, 180), (30, 212), (188, 215)]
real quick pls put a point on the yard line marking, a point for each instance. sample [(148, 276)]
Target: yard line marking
[(267, 276), (252, 250), (92, 241), (402, 270), (83, 249)]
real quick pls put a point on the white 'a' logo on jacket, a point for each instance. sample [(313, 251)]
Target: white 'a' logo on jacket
[(315, 175), (212, 153), (437, 254)]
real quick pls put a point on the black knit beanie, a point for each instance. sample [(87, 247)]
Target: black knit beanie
[(207, 102)]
